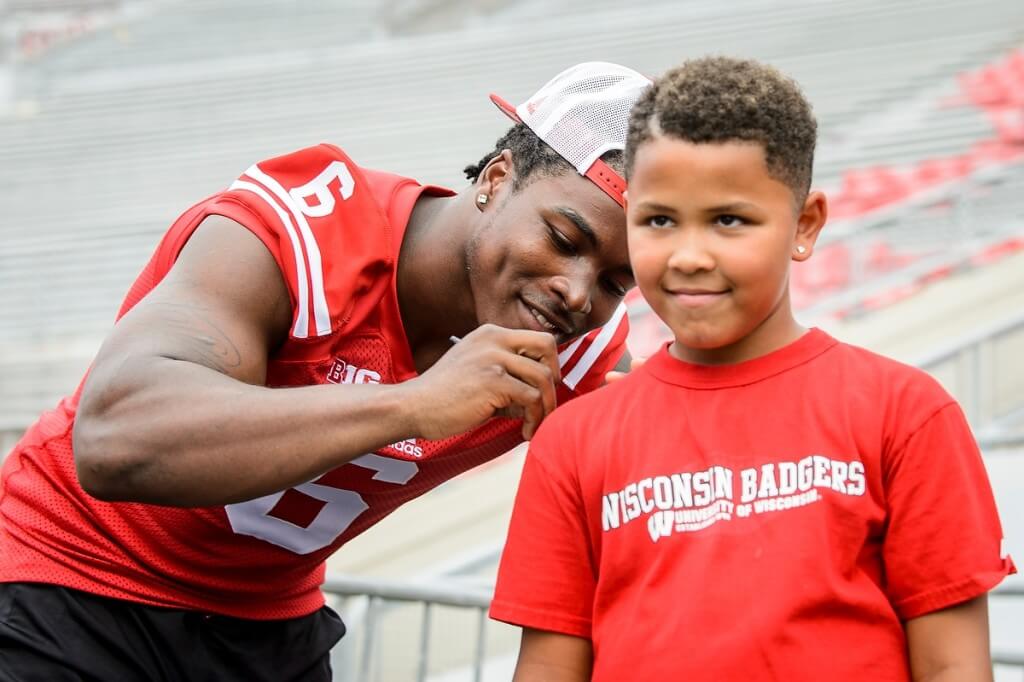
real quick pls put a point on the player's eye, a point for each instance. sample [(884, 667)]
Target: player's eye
[(614, 287), (561, 242), (728, 220)]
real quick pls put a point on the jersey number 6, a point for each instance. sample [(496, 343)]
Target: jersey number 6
[(340, 509), (320, 187)]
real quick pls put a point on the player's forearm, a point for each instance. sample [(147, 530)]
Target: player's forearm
[(184, 435)]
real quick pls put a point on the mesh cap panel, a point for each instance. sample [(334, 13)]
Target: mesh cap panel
[(583, 112)]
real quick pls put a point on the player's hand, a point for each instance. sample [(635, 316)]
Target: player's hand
[(615, 375), (492, 371)]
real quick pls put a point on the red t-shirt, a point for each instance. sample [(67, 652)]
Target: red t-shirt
[(335, 231), (776, 519)]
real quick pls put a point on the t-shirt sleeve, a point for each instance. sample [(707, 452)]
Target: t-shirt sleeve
[(546, 579), (586, 360), (943, 541)]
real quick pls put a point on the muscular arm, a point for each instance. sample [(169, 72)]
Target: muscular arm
[(174, 411), (553, 657), (951, 645)]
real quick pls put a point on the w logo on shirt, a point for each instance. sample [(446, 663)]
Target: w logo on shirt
[(342, 372)]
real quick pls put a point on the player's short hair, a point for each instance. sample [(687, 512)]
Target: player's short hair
[(723, 99), (532, 158)]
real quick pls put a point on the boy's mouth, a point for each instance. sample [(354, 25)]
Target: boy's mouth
[(693, 297)]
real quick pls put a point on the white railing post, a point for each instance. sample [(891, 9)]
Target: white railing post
[(481, 644), (966, 382), (370, 631), (421, 674)]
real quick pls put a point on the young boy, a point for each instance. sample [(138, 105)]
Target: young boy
[(759, 501)]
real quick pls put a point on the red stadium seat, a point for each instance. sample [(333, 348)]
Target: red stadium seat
[(932, 172)]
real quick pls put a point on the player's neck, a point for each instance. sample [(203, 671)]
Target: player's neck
[(433, 293)]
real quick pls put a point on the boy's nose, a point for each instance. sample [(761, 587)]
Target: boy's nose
[(690, 253)]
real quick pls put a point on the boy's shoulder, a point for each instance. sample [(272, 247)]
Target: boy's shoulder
[(605, 405), (604, 398), (889, 373), (874, 388)]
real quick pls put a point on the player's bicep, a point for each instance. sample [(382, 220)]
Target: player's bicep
[(223, 305)]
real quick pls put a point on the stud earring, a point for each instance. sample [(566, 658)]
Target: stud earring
[(801, 249), (482, 199)]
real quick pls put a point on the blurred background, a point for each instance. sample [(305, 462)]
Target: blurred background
[(116, 115)]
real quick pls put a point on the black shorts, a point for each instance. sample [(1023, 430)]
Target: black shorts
[(53, 634)]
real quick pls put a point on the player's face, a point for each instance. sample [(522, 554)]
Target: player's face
[(550, 257), (711, 237)]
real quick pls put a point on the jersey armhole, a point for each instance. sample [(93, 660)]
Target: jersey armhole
[(227, 207), (585, 361)]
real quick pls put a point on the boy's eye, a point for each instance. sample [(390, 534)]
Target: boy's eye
[(660, 221), (729, 221)]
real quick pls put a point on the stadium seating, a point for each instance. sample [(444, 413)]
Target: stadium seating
[(126, 127), (117, 132)]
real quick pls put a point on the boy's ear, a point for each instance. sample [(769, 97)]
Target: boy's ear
[(496, 175), (808, 225)]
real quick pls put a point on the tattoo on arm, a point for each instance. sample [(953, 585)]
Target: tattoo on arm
[(200, 340)]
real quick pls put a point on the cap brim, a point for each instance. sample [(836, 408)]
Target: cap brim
[(506, 108)]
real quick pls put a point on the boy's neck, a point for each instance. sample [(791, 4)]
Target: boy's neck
[(777, 331)]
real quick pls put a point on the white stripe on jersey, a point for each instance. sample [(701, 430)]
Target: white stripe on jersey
[(596, 348), (564, 356), (321, 313), (301, 329)]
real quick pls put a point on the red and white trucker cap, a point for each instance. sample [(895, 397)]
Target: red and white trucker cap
[(582, 113)]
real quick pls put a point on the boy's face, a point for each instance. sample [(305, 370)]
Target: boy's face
[(711, 236)]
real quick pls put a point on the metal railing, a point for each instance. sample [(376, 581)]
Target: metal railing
[(984, 370), (379, 593)]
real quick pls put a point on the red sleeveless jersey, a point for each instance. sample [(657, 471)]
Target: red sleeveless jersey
[(334, 230)]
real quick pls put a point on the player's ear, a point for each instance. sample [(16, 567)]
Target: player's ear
[(809, 223), (496, 176)]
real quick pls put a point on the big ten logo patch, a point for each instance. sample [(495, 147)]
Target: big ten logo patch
[(342, 372)]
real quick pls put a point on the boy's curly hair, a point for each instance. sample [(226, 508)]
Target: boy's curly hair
[(532, 157), (722, 99)]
